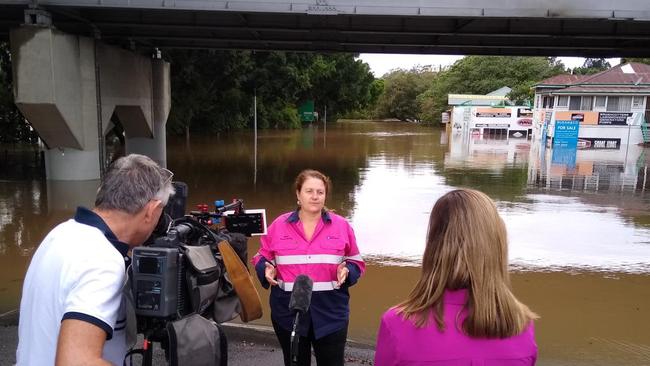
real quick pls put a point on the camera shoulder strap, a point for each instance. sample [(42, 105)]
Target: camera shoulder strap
[(242, 282)]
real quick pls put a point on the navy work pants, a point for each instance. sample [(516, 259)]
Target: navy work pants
[(329, 350)]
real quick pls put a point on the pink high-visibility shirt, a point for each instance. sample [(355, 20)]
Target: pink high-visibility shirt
[(399, 342), (287, 248)]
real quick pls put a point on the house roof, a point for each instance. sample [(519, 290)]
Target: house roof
[(503, 91), (608, 90), (497, 96), (631, 73), (627, 79), (561, 80)]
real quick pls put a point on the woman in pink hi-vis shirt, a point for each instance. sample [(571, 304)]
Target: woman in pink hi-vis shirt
[(316, 242), (462, 310)]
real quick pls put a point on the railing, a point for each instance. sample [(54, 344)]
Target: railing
[(645, 131)]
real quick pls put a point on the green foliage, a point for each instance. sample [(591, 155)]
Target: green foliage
[(400, 96), (13, 127), (213, 90), (483, 74), (641, 60), (206, 90), (592, 66), (341, 83), (285, 116)]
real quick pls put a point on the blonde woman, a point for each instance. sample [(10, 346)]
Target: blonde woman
[(462, 310)]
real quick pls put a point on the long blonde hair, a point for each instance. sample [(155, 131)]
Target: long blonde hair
[(467, 248)]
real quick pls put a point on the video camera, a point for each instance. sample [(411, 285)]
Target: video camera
[(180, 271)]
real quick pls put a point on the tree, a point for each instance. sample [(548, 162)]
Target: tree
[(213, 90), (13, 127), (207, 90), (483, 74), (592, 66), (625, 60), (341, 83), (401, 90)]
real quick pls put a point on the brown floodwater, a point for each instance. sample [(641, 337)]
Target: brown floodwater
[(579, 226)]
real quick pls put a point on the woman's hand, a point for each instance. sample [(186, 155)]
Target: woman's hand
[(341, 274), (270, 272)]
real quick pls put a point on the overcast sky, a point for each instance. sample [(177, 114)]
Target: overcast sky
[(381, 63)]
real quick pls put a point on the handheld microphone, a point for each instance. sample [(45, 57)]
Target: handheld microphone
[(301, 294), (299, 303)]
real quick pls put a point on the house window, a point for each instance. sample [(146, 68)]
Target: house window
[(625, 104), (637, 102), (563, 101), (612, 103), (601, 102), (586, 103), (619, 104), (548, 101), (574, 103)]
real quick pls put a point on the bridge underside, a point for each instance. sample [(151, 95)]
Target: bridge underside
[(599, 34)]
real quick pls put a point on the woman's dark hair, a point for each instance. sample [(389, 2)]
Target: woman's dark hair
[(310, 173)]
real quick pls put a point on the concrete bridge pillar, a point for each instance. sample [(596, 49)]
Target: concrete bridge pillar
[(57, 88), (155, 146), (54, 88)]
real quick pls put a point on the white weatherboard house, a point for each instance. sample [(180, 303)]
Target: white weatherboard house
[(490, 115), (612, 106)]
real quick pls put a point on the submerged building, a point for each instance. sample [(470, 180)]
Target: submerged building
[(587, 131), (489, 115), (611, 107)]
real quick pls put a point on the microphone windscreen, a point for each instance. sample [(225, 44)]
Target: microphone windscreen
[(301, 294)]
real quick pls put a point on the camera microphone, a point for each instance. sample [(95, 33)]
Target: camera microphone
[(301, 294)]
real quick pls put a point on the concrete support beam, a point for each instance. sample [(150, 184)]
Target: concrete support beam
[(56, 89), (126, 89), (155, 147), (46, 66)]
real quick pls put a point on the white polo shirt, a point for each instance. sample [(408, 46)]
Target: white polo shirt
[(76, 273)]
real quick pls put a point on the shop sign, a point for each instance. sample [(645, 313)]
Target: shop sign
[(597, 143), (493, 125), (613, 118)]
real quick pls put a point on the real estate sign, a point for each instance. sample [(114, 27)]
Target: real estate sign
[(566, 134)]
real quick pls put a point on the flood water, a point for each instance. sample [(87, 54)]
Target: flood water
[(579, 226)]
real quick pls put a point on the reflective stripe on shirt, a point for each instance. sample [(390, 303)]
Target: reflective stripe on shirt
[(355, 258), (318, 286), (308, 259)]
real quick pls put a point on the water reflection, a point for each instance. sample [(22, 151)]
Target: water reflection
[(487, 152), (618, 170), (565, 225)]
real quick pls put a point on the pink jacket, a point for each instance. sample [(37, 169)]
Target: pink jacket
[(399, 342)]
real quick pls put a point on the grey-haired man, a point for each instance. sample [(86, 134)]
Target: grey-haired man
[(72, 310)]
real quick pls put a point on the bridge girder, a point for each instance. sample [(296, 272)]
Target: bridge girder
[(587, 29)]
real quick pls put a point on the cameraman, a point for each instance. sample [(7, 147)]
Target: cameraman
[(72, 310)]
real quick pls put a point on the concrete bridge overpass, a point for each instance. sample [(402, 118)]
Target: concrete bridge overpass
[(73, 71), (596, 28)]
